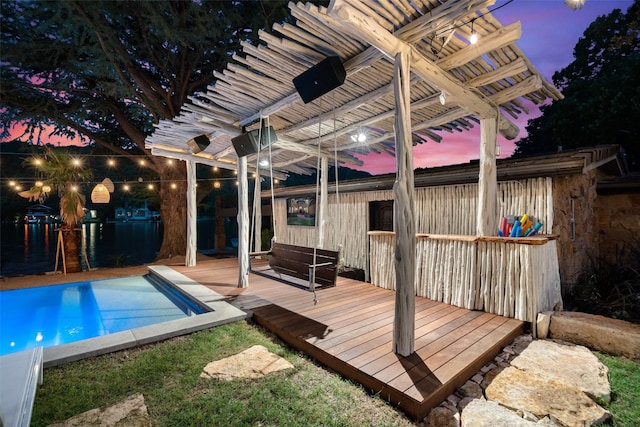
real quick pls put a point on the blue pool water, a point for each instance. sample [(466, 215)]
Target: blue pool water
[(60, 314)]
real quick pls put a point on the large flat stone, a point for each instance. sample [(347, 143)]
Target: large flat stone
[(130, 412), (597, 332), (253, 362), (486, 413), (524, 391), (570, 364)]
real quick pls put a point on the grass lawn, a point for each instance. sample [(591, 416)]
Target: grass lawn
[(624, 377), (167, 374)]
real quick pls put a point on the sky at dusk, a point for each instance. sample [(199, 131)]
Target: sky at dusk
[(550, 30)]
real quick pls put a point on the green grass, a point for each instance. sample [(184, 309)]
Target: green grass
[(624, 377), (167, 374)]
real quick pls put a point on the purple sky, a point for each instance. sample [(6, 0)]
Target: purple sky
[(550, 30)]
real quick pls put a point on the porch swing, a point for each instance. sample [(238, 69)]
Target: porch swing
[(299, 266)]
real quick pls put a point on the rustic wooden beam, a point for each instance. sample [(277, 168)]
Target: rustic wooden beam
[(526, 86), (403, 215), (496, 40), (243, 224), (192, 215), (364, 28), (516, 67), (487, 221)]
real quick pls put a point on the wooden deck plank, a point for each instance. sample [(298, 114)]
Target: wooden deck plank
[(350, 331)]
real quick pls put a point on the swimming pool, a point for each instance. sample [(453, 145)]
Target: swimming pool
[(60, 314)]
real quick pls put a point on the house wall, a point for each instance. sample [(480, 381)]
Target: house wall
[(617, 226), (574, 198)]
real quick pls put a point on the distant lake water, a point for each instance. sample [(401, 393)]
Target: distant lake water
[(31, 248)]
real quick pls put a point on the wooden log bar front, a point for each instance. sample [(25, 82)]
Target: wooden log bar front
[(511, 277)]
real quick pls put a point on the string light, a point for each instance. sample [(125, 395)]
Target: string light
[(174, 185), (360, 136), (474, 36), (111, 162)]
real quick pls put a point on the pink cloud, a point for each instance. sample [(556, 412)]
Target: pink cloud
[(17, 131)]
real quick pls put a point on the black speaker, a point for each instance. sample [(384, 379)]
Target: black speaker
[(198, 144), (323, 77), (250, 142)]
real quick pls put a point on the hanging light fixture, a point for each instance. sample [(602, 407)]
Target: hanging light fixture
[(575, 4), (100, 194), (474, 36), (443, 98), (360, 136)]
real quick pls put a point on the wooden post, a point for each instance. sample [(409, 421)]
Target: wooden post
[(257, 210), (324, 203), (192, 215), (243, 223), (486, 220), (403, 215)]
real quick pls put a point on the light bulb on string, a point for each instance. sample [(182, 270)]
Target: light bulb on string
[(474, 36)]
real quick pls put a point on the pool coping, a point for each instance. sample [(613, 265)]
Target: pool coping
[(222, 313)]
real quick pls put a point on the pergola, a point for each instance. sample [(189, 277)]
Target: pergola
[(411, 73)]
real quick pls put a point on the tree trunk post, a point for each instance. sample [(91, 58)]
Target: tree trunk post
[(403, 216), (257, 209), (324, 203), (243, 223), (486, 220), (192, 214)]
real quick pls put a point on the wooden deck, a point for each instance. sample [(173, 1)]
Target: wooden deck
[(350, 331)]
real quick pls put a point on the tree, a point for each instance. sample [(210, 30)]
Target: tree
[(602, 92), (108, 70), (61, 174)]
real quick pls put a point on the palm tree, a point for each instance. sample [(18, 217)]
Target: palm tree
[(63, 173)]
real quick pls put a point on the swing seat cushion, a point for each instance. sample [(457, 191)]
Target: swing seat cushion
[(297, 262)]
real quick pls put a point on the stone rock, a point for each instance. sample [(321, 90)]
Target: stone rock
[(542, 324), (471, 389), (569, 364), (130, 412), (521, 390), (484, 413), (597, 332), (253, 362), (521, 342), (442, 417)]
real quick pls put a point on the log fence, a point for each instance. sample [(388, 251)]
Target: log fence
[(511, 277)]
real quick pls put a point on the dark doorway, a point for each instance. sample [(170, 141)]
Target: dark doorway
[(381, 215)]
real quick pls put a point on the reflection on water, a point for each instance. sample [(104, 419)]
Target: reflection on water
[(31, 248)]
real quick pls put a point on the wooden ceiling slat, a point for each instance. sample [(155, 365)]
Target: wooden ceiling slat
[(259, 82)]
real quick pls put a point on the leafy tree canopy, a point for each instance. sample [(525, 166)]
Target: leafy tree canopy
[(602, 92), (108, 70)]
